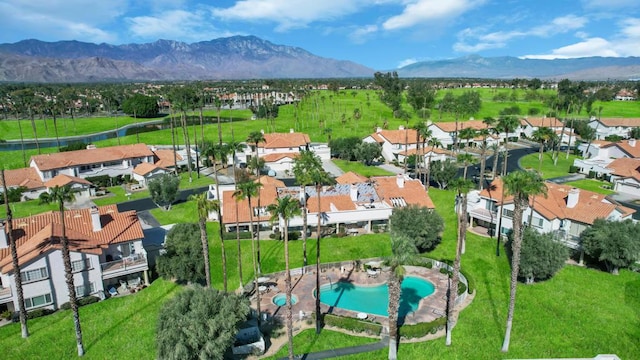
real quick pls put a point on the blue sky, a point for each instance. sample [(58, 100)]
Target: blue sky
[(381, 34)]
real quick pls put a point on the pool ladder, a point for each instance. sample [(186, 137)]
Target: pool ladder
[(327, 277)]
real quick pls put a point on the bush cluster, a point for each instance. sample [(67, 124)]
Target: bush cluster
[(352, 324), (39, 313), (423, 329), (81, 302)]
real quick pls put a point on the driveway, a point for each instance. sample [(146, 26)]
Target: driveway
[(331, 168)]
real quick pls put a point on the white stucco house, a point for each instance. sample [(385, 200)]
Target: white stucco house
[(565, 211), (105, 247), (598, 155), (145, 172), (613, 126), (445, 132), (625, 175), (81, 188), (27, 178), (394, 142)]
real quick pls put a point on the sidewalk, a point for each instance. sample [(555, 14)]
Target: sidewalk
[(326, 354)]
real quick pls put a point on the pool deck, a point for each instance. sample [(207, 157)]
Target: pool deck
[(429, 309)]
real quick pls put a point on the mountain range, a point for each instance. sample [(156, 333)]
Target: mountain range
[(249, 57)]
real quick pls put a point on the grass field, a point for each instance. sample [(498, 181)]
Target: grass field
[(592, 185), (360, 168), (548, 169)]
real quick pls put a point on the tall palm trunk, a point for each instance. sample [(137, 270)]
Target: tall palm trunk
[(515, 267), (239, 248), (14, 260), (55, 128), (173, 141), (318, 314), (185, 134), (426, 183), (66, 259), (304, 225), (35, 131), (455, 278), (205, 251), (394, 301), (287, 284), (569, 143), (255, 263), (496, 157), (24, 155), (221, 231), (483, 163)]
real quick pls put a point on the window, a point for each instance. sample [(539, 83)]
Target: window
[(34, 275), (537, 222), (260, 211), (38, 301), (507, 213), (81, 265), (491, 206), (85, 290)]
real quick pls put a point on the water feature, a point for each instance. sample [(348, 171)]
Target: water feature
[(281, 299), (375, 299)]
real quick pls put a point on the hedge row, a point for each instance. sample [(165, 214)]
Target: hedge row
[(422, 329), (355, 325), (81, 302)]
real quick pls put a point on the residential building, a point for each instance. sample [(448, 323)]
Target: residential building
[(428, 154), (528, 125), (445, 132), (394, 142), (625, 175), (613, 126), (81, 188), (600, 154), (27, 178), (564, 211), (145, 172), (105, 248)]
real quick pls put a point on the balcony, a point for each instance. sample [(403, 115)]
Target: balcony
[(5, 295), (127, 265), (484, 214)]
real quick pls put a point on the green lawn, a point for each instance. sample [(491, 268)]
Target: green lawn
[(360, 168), (308, 341), (592, 185), (548, 169), (26, 208)]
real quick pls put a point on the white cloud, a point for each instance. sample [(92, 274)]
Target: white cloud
[(290, 14), (360, 34), (478, 39), (625, 43), (406, 62), (174, 24), (62, 19), (419, 12), (609, 4)]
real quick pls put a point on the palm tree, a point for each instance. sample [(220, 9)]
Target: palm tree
[(462, 186), (61, 195), (235, 148), (203, 205), (434, 143), (285, 209), (522, 185), (542, 135), (467, 134), (484, 133), (255, 138), (403, 251), (495, 149), (14, 257), (506, 124), (465, 159), (422, 133), (305, 164), (247, 190)]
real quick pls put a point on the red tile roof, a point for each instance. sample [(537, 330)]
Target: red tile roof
[(396, 136), (268, 195), (451, 126), (279, 156), (412, 192), (543, 122), (626, 168), (27, 177), (284, 140), (350, 178), (90, 156), (625, 146), (145, 168), (622, 122), (63, 180), (41, 233), (164, 158)]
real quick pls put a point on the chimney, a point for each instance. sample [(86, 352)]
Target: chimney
[(91, 146), (262, 131), (400, 180), (632, 142), (353, 192), (429, 122), (4, 243), (401, 127), (290, 131), (572, 198), (95, 219), (378, 130)]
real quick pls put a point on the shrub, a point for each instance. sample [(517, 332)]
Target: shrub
[(573, 169), (422, 329), (472, 283), (352, 324), (39, 313), (7, 314), (81, 302), (461, 288)]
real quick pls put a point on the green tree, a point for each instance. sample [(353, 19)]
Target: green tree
[(283, 210), (164, 190), (448, 104), (542, 136), (200, 323), (421, 96), (615, 243), (434, 143), (367, 152), (522, 185), (443, 172), (403, 251), (467, 134), (541, 256), (344, 148), (60, 195), (465, 159), (420, 224), (183, 259), (203, 206), (392, 87), (14, 258), (141, 106)]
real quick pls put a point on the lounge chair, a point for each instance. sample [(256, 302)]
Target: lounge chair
[(372, 273)]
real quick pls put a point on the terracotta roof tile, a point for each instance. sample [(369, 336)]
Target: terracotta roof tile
[(330, 203), (279, 156), (284, 140), (164, 158), (543, 122), (40, 233), (623, 122), (396, 136), (412, 192), (350, 178), (145, 168), (90, 156), (625, 146), (268, 195), (626, 167), (27, 177), (451, 126), (63, 180)]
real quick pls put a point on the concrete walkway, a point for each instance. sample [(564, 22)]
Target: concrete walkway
[(391, 168), (327, 354)]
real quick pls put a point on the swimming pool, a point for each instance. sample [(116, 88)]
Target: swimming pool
[(281, 299), (375, 299)]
